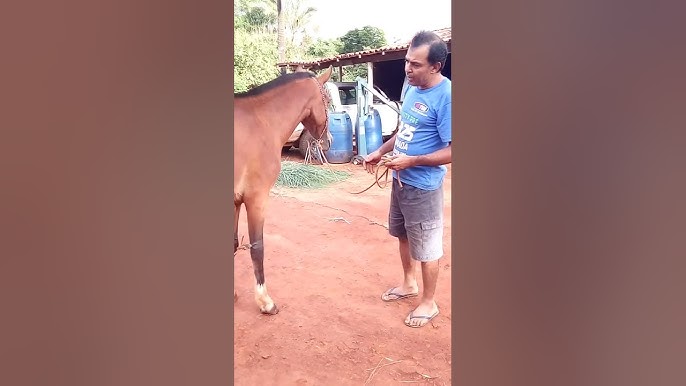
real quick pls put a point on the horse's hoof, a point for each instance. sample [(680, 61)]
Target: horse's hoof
[(273, 311)]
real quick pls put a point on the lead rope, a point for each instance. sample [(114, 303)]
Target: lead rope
[(315, 148), (377, 180), (384, 160)]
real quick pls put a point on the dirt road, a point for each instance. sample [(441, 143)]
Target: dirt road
[(328, 258)]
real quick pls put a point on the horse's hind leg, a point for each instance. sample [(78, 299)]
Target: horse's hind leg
[(255, 210)]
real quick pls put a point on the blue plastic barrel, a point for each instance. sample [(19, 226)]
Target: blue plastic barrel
[(341, 129), (372, 131)]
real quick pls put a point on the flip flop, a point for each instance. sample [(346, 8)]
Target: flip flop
[(428, 319), (396, 296)]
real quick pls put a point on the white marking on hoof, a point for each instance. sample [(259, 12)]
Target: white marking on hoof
[(263, 300)]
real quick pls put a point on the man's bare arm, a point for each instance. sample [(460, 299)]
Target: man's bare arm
[(388, 145), (439, 157)]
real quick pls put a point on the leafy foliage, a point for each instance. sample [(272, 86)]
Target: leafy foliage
[(256, 41), (254, 59), (325, 48), (366, 38), (254, 15), (363, 39)]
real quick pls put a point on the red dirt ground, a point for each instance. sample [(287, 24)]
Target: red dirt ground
[(326, 276)]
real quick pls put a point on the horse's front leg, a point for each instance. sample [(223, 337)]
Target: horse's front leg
[(255, 231), (237, 212)]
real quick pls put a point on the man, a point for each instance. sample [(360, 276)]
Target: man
[(420, 149)]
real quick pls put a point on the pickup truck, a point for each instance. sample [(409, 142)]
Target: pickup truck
[(344, 98)]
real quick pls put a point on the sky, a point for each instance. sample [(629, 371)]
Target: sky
[(399, 19)]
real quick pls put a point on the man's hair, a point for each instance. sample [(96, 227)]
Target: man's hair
[(438, 50)]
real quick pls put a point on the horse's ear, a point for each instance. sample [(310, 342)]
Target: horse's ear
[(324, 77)]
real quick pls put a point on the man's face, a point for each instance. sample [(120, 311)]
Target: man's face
[(417, 67)]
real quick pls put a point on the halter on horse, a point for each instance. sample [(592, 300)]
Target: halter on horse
[(264, 118)]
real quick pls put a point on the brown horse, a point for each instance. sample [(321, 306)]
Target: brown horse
[(264, 118)]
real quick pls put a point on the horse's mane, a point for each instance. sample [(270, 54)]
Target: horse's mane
[(281, 80)]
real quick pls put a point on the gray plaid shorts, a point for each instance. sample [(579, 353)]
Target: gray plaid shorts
[(417, 214)]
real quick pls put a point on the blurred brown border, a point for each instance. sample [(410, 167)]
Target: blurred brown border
[(569, 179), (115, 211), (453, 196)]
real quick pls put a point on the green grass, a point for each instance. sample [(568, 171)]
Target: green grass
[(299, 175)]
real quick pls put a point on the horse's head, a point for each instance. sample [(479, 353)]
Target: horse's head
[(317, 122)]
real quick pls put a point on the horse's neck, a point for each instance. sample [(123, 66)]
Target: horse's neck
[(282, 110)]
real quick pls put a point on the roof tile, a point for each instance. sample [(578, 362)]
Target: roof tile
[(443, 33)]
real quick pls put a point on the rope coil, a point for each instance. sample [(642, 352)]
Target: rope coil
[(377, 180), (315, 150)]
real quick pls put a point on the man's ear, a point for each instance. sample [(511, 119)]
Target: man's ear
[(437, 66)]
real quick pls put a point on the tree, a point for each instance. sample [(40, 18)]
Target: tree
[(275, 31), (297, 17), (298, 28), (363, 39), (254, 15), (281, 39), (254, 59), (324, 48), (255, 43)]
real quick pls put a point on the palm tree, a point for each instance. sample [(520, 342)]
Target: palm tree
[(281, 39), (298, 17)]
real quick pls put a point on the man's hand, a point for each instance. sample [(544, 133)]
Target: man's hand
[(372, 159), (401, 161)]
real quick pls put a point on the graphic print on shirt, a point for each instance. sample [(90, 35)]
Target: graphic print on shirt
[(405, 132), (420, 108), (424, 128)]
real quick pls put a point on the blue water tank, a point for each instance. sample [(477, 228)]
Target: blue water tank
[(373, 134), (341, 129)]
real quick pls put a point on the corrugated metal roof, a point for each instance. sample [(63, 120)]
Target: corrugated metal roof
[(443, 33)]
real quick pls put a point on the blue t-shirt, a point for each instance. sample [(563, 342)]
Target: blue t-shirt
[(424, 128)]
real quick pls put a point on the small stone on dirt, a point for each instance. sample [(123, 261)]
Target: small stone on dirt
[(265, 356)]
